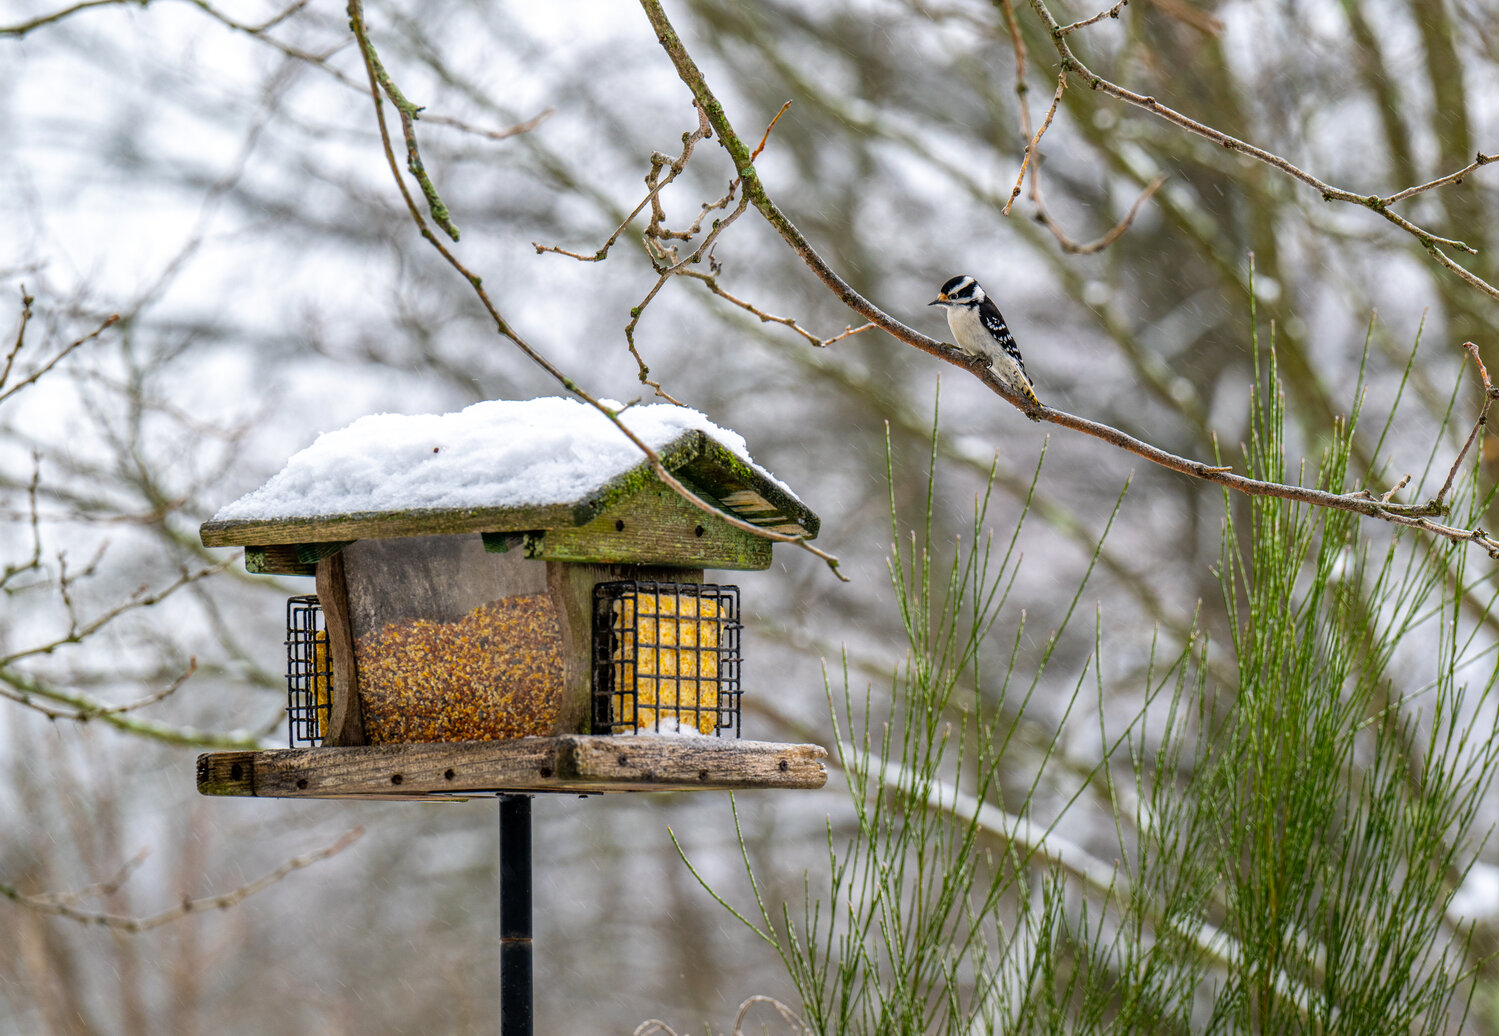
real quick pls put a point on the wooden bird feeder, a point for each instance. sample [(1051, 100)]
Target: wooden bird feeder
[(508, 599)]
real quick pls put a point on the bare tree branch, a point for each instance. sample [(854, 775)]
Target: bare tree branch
[(156, 696), (1415, 515), (766, 136), (1072, 247), (1450, 178), (15, 350), (26, 690), (409, 114), (356, 22), (1035, 141), (1071, 65), (1112, 12), (1033, 157), (60, 906), (22, 28), (61, 355), (656, 184), (711, 280), (1489, 394), (143, 598), (34, 561)]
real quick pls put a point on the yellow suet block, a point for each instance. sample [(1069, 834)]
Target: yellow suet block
[(672, 642)]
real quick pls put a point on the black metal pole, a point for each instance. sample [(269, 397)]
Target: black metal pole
[(515, 915)]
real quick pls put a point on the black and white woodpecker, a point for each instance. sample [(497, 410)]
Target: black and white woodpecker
[(979, 330)]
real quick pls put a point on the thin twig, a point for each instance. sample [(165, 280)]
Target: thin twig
[(711, 281), (62, 353), (1035, 141), (1099, 244), (245, 27), (15, 568), (1017, 42), (1489, 392), (108, 887), (142, 598), (356, 22), (1112, 12), (156, 696), (661, 255), (51, 904), (22, 28), (1072, 65), (1033, 158), (261, 33), (766, 135), (489, 134), (10, 357), (1450, 178), (27, 691), (1416, 515), (656, 184)]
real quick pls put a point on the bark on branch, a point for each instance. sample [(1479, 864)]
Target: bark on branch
[(1417, 515)]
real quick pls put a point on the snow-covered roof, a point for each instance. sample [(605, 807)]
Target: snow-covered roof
[(497, 466)]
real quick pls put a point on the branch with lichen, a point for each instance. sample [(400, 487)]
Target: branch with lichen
[(409, 113), (1417, 515), (58, 704), (476, 283)]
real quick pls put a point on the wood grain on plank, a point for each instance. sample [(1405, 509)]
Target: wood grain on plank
[(578, 764)]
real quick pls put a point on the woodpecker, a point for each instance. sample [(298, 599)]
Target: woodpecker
[(979, 330)]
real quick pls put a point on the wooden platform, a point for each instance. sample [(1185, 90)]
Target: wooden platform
[(576, 764)]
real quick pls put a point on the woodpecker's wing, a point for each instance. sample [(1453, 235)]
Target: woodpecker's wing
[(994, 323)]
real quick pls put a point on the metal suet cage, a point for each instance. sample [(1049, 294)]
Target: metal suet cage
[(308, 672), (666, 658)]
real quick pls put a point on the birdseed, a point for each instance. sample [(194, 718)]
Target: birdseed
[(496, 673)]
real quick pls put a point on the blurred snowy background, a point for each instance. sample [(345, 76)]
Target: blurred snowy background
[(221, 187)]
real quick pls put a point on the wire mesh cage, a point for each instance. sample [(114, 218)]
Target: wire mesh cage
[(665, 658), (309, 675)]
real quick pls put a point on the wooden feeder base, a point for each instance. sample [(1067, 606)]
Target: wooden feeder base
[(576, 764)]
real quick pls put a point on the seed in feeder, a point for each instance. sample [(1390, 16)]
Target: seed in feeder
[(496, 673)]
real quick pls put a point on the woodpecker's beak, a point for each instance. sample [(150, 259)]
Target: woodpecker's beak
[(941, 298)]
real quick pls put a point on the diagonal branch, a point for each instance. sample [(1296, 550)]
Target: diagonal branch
[(60, 906), (1031, 148), (1442, 181), (1489, 394), (1033, 158), (61, 354), (409, 114), (654, 181), (356, 23), (1415, 515)]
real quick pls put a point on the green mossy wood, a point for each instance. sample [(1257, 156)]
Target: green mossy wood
[(413, 597), (632, 519)]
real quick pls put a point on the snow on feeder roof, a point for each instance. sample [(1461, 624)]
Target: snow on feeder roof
[(428, 624), (498, 467)]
